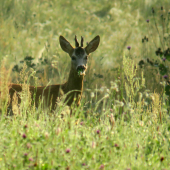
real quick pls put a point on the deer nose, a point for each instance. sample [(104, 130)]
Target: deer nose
[(81, 68)]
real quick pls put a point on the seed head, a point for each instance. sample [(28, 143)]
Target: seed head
[(92, 94)]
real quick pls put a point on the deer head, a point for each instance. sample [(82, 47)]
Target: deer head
[(79, 55)]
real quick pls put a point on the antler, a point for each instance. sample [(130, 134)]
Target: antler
[(82, 39), (76, 42)]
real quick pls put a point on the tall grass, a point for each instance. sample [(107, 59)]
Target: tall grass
[(132, 134)]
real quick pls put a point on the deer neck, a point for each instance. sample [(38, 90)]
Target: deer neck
[(75, 82)]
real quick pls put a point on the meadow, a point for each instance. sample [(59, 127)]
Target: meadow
[(123, 121)]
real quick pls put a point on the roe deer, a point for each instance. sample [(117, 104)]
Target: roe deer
[(72, 88)]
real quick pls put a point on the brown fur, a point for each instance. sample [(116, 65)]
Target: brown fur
[(73, 87)]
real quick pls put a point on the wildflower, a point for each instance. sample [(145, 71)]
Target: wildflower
[(101, 166), (31, 159), (24, 136), (25, 154), (81, 123), (25, 126), (116, 145), (83, 164), (162, 158), (68, 150), (98, 131), (128, 47), (147, 20), (165, 76), (164, 59)]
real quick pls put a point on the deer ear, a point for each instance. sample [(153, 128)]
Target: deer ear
[(65, 45), (93, 44)]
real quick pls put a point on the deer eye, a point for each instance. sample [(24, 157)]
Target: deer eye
[(85, 58), (73, 58)]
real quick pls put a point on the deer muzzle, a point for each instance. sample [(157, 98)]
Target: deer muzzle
[(81, 70)]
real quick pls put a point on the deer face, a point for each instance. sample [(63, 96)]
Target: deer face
[(79, 55), (79, 60)]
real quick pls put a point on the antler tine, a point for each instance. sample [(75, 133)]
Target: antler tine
[(82, 39), (76, 42)]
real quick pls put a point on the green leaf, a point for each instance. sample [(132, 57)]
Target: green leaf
[(167, 89), (163, 70), (168, 57)]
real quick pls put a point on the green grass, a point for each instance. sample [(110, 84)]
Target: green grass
[(123, 121), (135, 144)]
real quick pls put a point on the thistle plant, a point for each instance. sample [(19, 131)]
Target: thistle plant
[(162, 47)]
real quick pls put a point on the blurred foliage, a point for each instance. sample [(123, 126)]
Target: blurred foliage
[(32, 29)]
